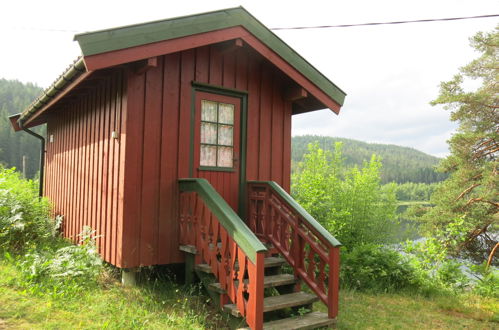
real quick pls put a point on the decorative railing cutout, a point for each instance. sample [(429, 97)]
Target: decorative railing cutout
[(312, 251), (224, 242)]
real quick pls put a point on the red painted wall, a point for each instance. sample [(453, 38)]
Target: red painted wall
[(127, 188), (84, 165), (159, 100)]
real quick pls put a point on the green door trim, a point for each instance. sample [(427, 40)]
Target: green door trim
[(243, 96)]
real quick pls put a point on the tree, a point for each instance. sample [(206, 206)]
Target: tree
[(400, 164), (465, 212), (14, 98), (350, 202)]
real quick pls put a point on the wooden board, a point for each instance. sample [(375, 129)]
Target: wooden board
[(270, 281), (82, 164), (312, 320), (279, 302), (127, 187)]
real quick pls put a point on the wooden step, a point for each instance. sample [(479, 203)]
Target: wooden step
[(268, 282), (312, 320), (269, 262), (205, 268), (279, 302)]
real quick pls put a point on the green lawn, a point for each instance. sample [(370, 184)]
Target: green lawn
[(394, 311), (111, 306), (169, 306)]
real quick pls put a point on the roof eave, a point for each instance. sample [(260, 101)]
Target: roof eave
[(110, 40), (53, 92)]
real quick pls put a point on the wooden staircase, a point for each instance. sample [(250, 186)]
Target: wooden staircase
[(283, 307), (241, 262)]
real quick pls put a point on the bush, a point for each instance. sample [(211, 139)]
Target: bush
[(378, 269), (48, 264), (349, 202), (487, 283), (60, 268), (24, 218), (451, 275), (447, 274)]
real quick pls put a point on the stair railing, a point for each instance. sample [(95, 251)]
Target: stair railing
[(224, 242), (307, 246)]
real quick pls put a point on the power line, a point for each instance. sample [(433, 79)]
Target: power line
[(384, 23), (294, 27), (29, 28)]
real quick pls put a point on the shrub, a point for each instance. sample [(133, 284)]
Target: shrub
[(24, 218), (349, 202), (378, 269), (451, 275), (487, 283), (48, 264), (61, 268)]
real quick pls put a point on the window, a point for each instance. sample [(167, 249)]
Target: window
[(217, 134)]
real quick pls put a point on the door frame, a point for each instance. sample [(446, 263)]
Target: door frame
[(243, 97)]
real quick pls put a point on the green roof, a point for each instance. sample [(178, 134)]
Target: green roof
[(103, 41)]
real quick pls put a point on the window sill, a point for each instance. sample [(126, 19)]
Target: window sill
[(216, 169)]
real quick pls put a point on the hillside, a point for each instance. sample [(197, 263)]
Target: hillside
[(14, 97), (400, 164)]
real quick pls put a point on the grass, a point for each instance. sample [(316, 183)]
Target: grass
[(157, 305), (166, 305), (402, 311)]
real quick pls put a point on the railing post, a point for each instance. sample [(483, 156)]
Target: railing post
[(267, 215), (259, 289), (257, 292), (334, 281), (298, 253)]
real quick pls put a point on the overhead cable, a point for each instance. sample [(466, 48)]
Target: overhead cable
[(298, 27), (384, 23)]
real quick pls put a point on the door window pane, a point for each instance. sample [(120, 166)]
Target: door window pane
[(209, 133), (225, 156), (208, 111), (208, 156), (217, 134), (226, 113), (225, 135)]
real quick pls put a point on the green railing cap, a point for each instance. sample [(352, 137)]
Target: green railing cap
[(302, 212)]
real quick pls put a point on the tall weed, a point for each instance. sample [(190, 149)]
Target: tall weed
[(48, 263), (377, 269), (487, 283), (24, 218), (61, 269)]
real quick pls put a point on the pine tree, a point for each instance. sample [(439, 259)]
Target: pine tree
[(465, 215)]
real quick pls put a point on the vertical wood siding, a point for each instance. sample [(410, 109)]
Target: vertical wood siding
[(159, 132), (126, 188), (83, 178)]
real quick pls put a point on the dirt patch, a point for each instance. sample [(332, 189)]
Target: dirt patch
[(471, 316), (3, 324), (455, 314)]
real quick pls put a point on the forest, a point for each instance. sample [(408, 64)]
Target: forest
[(400, 164), (14, 98)]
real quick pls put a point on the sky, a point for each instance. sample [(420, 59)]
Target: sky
[(390, 73)]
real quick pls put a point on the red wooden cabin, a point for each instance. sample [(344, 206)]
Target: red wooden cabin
[(174, 137)]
